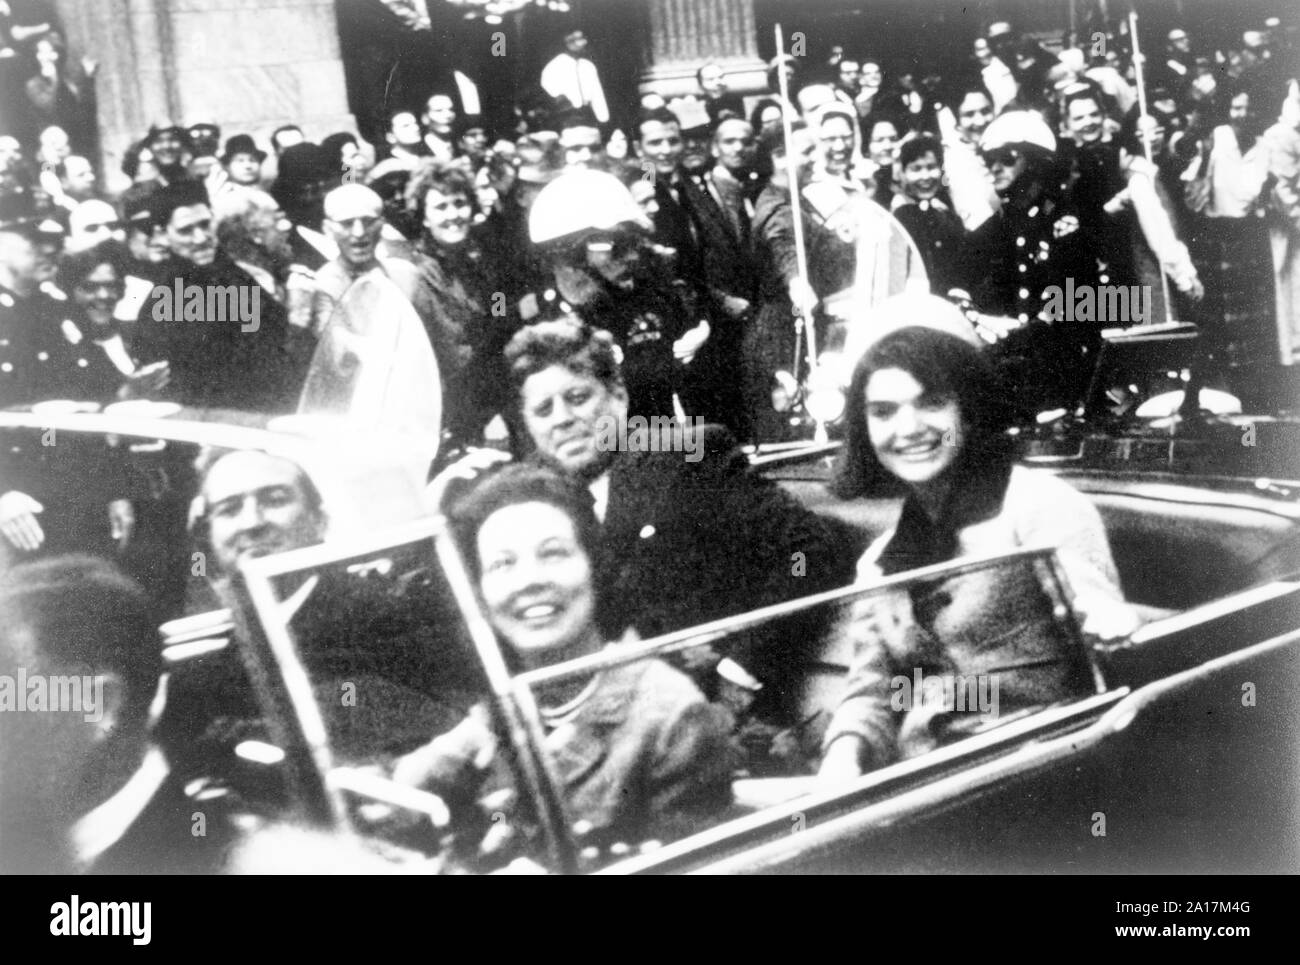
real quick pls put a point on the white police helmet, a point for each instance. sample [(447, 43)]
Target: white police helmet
[(583, 200), (1018, 129)]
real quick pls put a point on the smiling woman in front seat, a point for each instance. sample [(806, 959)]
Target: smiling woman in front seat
[(926, 420), (638, 750)]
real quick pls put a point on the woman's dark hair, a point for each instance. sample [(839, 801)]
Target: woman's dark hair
[(526, 482), (875, 118), (332, 147), (919, 146), (945, 365), (131, 158), (1254, 123), (74, 267), (756, 115), (1087, 90), (464, 123)]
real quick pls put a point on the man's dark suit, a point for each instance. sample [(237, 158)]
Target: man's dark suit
[(715, 258), (688, 542), (728, 259), (222, 362)]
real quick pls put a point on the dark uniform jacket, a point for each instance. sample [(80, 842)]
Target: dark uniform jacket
[(1023, 253), (941, 240), (645, 322), (45, 355)]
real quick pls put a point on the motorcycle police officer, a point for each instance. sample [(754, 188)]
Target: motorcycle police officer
[(1035, 243), (608, 274)]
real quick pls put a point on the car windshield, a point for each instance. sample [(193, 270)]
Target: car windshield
[(640, 743)]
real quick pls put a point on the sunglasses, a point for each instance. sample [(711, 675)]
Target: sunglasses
[(609, 246), (1003, 158)]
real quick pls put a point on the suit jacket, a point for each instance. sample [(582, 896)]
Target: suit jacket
[(173, 834), (222, 362), (728, 259), (686, 542), (675, 227)]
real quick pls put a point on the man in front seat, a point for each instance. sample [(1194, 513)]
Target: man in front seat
[(253, 504)]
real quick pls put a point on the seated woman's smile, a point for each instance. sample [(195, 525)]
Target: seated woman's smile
[(537, 583), (917, 434)]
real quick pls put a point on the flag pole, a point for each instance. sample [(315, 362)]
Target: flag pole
[(803, 325), (1138, 68)]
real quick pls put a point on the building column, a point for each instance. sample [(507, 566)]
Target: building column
[(684, 34), (247, 65)]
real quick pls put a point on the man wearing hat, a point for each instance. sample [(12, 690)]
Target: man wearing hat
[(228, 346), (33, 345), (606, 272), (171, 152), (205, 141), (243, 161)]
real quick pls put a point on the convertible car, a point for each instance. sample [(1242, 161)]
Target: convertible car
[(1175, 751), (1176, 754)]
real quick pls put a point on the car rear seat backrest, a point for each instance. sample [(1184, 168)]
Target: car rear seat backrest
[(1177, 555)]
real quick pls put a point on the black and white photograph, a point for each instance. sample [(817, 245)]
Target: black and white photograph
[(649, 437)]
